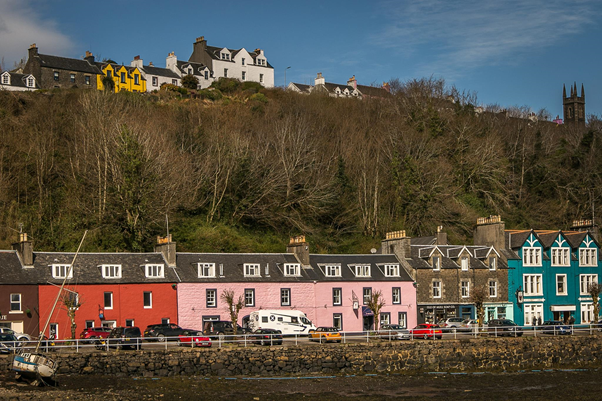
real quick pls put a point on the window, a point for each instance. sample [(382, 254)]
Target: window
[(148, 299), (243, 61), (15, 302), (396, 296), (252, 270), (56, 75), (154, 271), (392, 270), (225, 56), (337, 321), (465, 288), (385, 318), (285, 296), (292, 269), (560, 257), (108, 300), (136, 79), (5, 79), (87, 79), (211, 297), (492, 289), (249, 297), (89, 324), (30, 82), (206, 74), (362, 270), (129, 322), (367, 294), (436, 289), (62, 271), (165, 320), (261, 78), (123, 77), (54, 330), (337, 296), (206, 270), (492, 263), (155, 81), (587, 312), (402, 319), (225, 73), (333, 270), (111, 271), (532, 284), (464, 263), (585, 280), (72, 78), (588, 257), (244, 76), (71, 300), (532, 256), (561, 284), (436, 263), (532, 313), (174, 82)]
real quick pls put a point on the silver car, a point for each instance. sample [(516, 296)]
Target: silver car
[(393, 332)]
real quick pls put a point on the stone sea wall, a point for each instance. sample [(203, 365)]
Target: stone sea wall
[(493, 354)]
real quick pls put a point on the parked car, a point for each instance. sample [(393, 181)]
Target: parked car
[(426, 331), (452, 322), (393, 332), (9, 343), (555, 327), (503, 327), (221, 328), (468, 325), (95, 332), (325, 334), (266, 337), (193, 338), (122, 337), (20, 336), (158, 332)]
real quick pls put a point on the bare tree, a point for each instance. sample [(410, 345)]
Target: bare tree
[(376, 303), (594, 290), (71, 303), (477, 297), (234, 306)]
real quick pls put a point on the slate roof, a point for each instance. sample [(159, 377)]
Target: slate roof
[(18, 80), (376, 261), (432, 240), (162, 72), (373, 91), (196, 67), (302, 87), (450, 253), (64, 63), (12, 271)]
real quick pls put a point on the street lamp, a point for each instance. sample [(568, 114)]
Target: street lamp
[(285, 76)]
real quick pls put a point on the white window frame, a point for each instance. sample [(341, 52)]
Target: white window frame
[(154, 271), (285, 297), (464, 263), (31, 82), (396, 295), (465, 288), (155, 81), (492, 263), (532, 311), (436, 289), (249, 295), (130, 325), (60, 271), (492, 289), (587, 312), (104, 299), (385, 318), (564, 284), (588, 257), (15, 298), (366, 294), (362, 271), (560, 256), (252, 270), (337, 299), (211, 297), (244, 75), (392, 270), (5, 79), (532, 284), (206, 270), (54, 328), (584, 281), (150, 298), (332, 270), (292, 270), (531, 256), (111, 271), (436, 262), (225, 73)]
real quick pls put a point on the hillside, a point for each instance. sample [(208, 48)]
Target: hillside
[(245, 171)]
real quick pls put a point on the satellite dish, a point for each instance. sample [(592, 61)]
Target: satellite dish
[(373, 250)]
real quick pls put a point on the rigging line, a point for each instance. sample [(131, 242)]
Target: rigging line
[(60, 290)]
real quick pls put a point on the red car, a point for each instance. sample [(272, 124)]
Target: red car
[(426, 331), (193, 338), (95, 332)]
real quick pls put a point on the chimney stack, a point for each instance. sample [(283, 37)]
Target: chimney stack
[(352, 82), (586, 225), (320, 80), (490, 231), (167, 248), (299, 247), (24, 249), (89, 57), (441, 236), (137, 62), (33, 50)]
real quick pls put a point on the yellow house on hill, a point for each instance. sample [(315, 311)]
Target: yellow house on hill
[(125, 78)]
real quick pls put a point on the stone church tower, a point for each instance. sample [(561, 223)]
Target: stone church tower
[(574, 106)]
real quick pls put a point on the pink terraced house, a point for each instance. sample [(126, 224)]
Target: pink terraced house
[(330, 289)]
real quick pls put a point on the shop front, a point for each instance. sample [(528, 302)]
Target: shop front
[(498, 311), (438, 313)]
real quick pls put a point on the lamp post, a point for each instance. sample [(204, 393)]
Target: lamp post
[(285, 76)]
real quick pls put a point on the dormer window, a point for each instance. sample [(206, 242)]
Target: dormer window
[(532, 256), (362, 271), (464, 263), (332, 271), (560, 257), (111, 271), (292, 270), (225, 56), (252, 270), (62, 271), (492, 263), (154, 271), (588, 257), (436, 263), (206, 270), (6, 79), (392, 270)]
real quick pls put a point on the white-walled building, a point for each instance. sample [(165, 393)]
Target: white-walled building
[(352, 89), (156, 76), (11, 81)]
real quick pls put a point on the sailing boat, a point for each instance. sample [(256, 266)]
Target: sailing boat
[(35, 365)]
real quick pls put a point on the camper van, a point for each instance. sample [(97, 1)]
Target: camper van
[(287, 321)]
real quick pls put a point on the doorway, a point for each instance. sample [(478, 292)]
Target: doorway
[(368, 323)]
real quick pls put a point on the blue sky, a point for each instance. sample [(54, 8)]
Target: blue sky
[(508, 52)]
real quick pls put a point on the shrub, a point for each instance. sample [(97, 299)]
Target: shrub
[(211, 94), (174, 88), (226, 85), (259, 97)]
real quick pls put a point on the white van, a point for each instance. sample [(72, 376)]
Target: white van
[(287, 321)]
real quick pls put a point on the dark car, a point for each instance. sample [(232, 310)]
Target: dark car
[(158, 332), (122, 337), (555, 327), (95, 332), (266, 337), (503, 327), (9, 343), (220, 329)]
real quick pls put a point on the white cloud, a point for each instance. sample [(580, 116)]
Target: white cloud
[(21, 25), (455, 36)]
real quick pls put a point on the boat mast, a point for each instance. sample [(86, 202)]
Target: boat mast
[(60, 290)]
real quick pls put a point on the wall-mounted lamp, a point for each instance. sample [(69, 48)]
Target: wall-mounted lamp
[(101, 314), (173, 286)]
